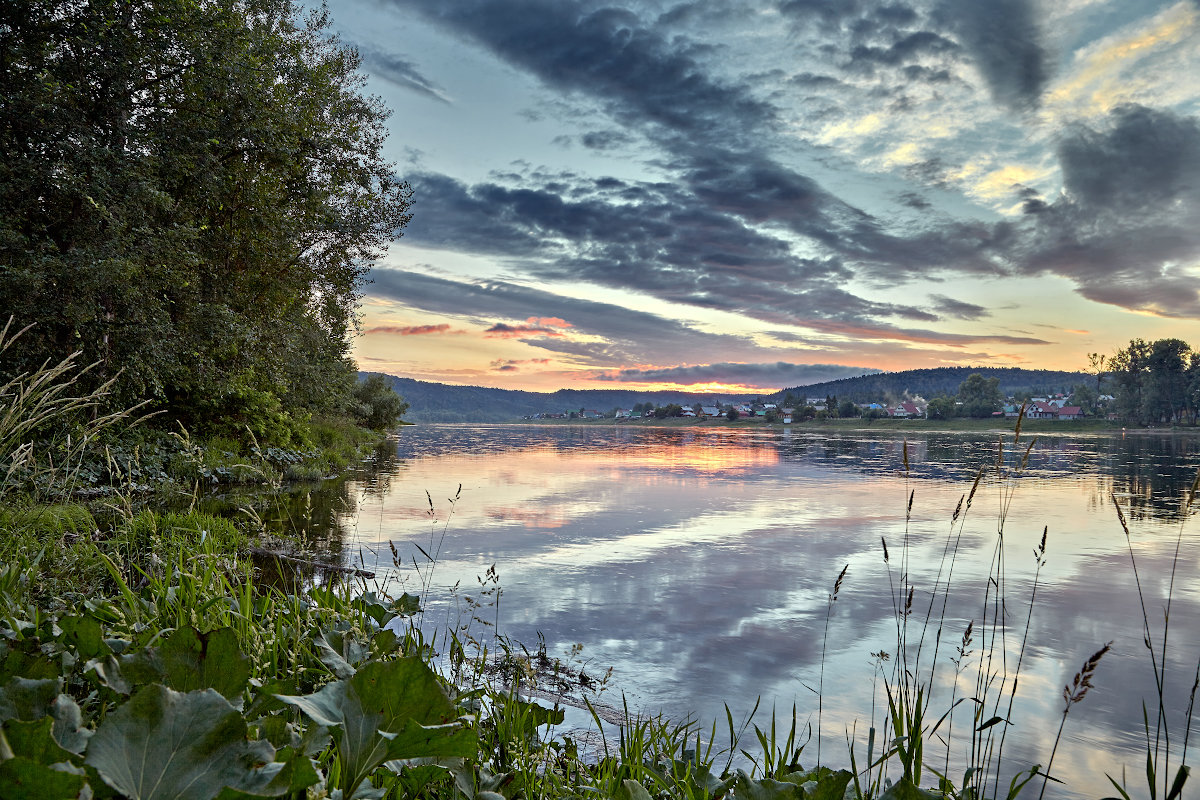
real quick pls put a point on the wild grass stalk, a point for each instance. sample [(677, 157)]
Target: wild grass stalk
[(1158, 746)]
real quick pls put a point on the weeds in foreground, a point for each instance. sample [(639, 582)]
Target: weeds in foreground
[(1159, 746)]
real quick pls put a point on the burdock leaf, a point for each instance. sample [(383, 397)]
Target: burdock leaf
[(26, 699), (24, 779), (212, 660), (388, 710), (163, 744), (35, 741)]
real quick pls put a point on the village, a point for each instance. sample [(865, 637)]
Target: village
[(1047, 407)]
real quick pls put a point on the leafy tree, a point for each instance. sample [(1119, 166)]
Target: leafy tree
[(980, 396), (1155, 382), (847, 409), (377, 406), (732, 414), (1084, 396), (941, 408), (192, 192)]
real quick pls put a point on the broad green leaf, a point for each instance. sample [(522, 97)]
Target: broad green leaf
[(630, 790), (24, 779), (85, 636), (125, 673), (331, 656), (35, 741), (904, 789), (765, 789), (26, 699), (386, 711), (297, 775), (68, 730), (26, 660), (212, 660), (163, 744)]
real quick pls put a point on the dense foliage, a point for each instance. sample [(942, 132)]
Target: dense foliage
[(1156, 382), (928, 383), (191, 193)]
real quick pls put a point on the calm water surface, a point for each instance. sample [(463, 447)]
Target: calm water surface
[(698, 563)]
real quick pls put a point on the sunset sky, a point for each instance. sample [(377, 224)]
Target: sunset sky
[(736, 195)]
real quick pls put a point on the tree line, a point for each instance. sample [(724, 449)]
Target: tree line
[(1153, 383), (191, 195)]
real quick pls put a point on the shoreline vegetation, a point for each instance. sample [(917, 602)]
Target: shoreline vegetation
[(959, 425)]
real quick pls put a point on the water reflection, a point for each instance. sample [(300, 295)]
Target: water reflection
[(698, 562)]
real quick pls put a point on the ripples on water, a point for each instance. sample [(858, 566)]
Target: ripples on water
[(698, 562)]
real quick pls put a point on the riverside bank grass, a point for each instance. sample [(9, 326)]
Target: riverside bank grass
[(168, 670)]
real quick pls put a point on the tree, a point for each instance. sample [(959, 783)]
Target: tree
[(847, 409), (378, 407), (192, 194), (980, 396), (1084, 396), (732, 414), (1155, 382), (941, 408)]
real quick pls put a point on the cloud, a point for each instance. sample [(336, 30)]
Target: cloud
[(1004, 39), (629, 336), (958, 308), (514, 365), (502, 331), (410, 330), (764, 375), (401, 72), (1124, 227)]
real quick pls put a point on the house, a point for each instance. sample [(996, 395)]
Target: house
[(1041, 409), (1070, 412), (591, 414), (623, 413), (710, 411)]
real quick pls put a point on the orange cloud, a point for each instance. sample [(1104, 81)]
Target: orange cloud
[(549, 322), (503, 331), (409, 330)]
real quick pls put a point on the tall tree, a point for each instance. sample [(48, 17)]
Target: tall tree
[(980, 396), (191, 194)]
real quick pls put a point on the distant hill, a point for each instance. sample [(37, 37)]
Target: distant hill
[(443, 402), (930, 383)]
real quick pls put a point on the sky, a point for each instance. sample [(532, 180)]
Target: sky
[(746, 195)]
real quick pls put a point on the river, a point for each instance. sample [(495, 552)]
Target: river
[(699, 564)]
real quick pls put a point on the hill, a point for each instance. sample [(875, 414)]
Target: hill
[(442, 402), (930, 383)]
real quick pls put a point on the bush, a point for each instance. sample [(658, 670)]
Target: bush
[(376, 404)]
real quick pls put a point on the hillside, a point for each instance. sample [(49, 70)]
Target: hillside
[(930, 383), (441, 402)]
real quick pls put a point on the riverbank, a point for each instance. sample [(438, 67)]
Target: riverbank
[(1038, 426)]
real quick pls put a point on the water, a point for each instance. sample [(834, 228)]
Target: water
[(698, 564)]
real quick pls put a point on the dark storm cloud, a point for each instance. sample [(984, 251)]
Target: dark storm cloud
[(609, 53), (958, 308), (685, 247), (1125, 228), (722, 232), (604, 140), (713, 133), (776, 374), (401, 72), (632, 335), (1003, 38)]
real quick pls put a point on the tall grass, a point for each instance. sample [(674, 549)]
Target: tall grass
[(47, 423)]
